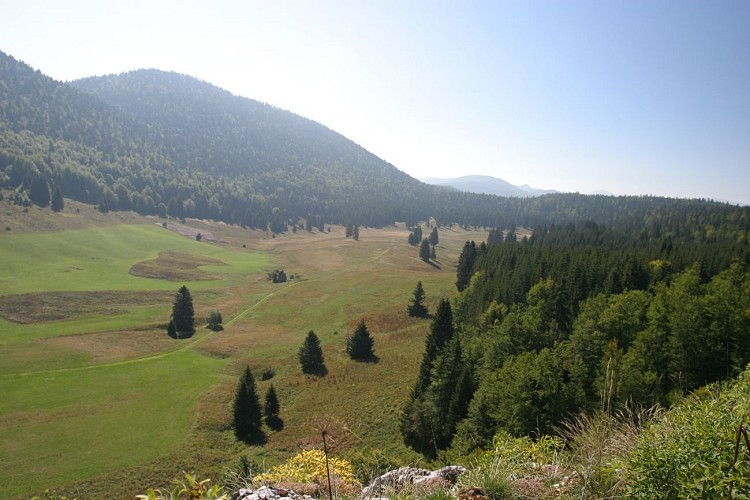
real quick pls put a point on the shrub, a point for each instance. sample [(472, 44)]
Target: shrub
[(267, 374), (692, 451), (309, 467), (188, 487)]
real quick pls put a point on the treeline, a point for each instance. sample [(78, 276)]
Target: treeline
[(166, 144), (582, 318)]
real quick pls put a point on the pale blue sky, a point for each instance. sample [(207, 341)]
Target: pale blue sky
[(631, 97)]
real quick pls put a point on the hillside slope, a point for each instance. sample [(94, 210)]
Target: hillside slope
[(165, 144)]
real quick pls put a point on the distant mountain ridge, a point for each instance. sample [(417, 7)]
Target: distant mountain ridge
[(166, 144), (485, 184)]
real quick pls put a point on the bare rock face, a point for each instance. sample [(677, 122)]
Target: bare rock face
[(407, 477), (268, 493)]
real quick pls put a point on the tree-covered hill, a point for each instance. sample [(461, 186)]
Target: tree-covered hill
[(168, 144)]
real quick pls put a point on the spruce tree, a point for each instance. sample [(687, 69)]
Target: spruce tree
[(271, 409), (422, 424), (171, 329), (359, 345), (466, 265), (417, 308), (355, 232), (39, 192), (424, 250), (434, 236), (58, 203), (311, 356), (182, 312), (246, 411)]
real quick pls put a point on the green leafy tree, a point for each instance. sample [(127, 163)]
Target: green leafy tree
[(311, 356), (183, 315), (424, 250), (58, 203), (360, 344), (215, 320), (271, 410), (246, 410), (417, 308)]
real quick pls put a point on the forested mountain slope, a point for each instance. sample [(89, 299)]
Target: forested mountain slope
[(169, 144)]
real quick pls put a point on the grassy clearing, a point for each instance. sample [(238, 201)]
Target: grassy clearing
[(339, 281), (55, 428), (101, 258)]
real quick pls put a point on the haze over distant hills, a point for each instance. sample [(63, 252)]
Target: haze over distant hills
[(168, 144), (485, 184)]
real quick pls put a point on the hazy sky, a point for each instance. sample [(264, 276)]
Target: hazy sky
[(631, 97)]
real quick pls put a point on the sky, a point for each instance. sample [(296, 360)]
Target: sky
[(626, 97)]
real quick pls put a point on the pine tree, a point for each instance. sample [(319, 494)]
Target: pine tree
[(39, 192), (271, 409), (424, 250), (311, 356), (355, 232), (421, 422), (417, 308), (466, 265), (433, 254), (434, 236), (58, 203), (246, 411), (182, 312), (359, 345), (171, 329)]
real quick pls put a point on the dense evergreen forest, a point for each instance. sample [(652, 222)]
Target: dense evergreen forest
[(581, 318), (167, 144)]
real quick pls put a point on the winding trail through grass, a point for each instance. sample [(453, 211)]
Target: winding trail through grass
[(244, 313)]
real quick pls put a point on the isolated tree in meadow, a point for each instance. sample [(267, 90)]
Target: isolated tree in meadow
[(360, 344), (39, 192), (183, 315), (355, 232), (58, 203), (424, 250), (271, 410), (214, 320), (246, 410), (434, 236), (417, 308), (311, 356)]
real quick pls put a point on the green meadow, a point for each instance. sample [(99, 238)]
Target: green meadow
[(98, 400)]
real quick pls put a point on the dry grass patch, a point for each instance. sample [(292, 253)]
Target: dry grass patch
[(54, 306), (175, 266), (113, 346)]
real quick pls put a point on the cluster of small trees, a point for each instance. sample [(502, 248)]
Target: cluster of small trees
[(359, 347), (182, 322), (247, 414), (352, 231), (277, 276)]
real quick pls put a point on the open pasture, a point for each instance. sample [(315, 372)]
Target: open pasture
[(99, 399)]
